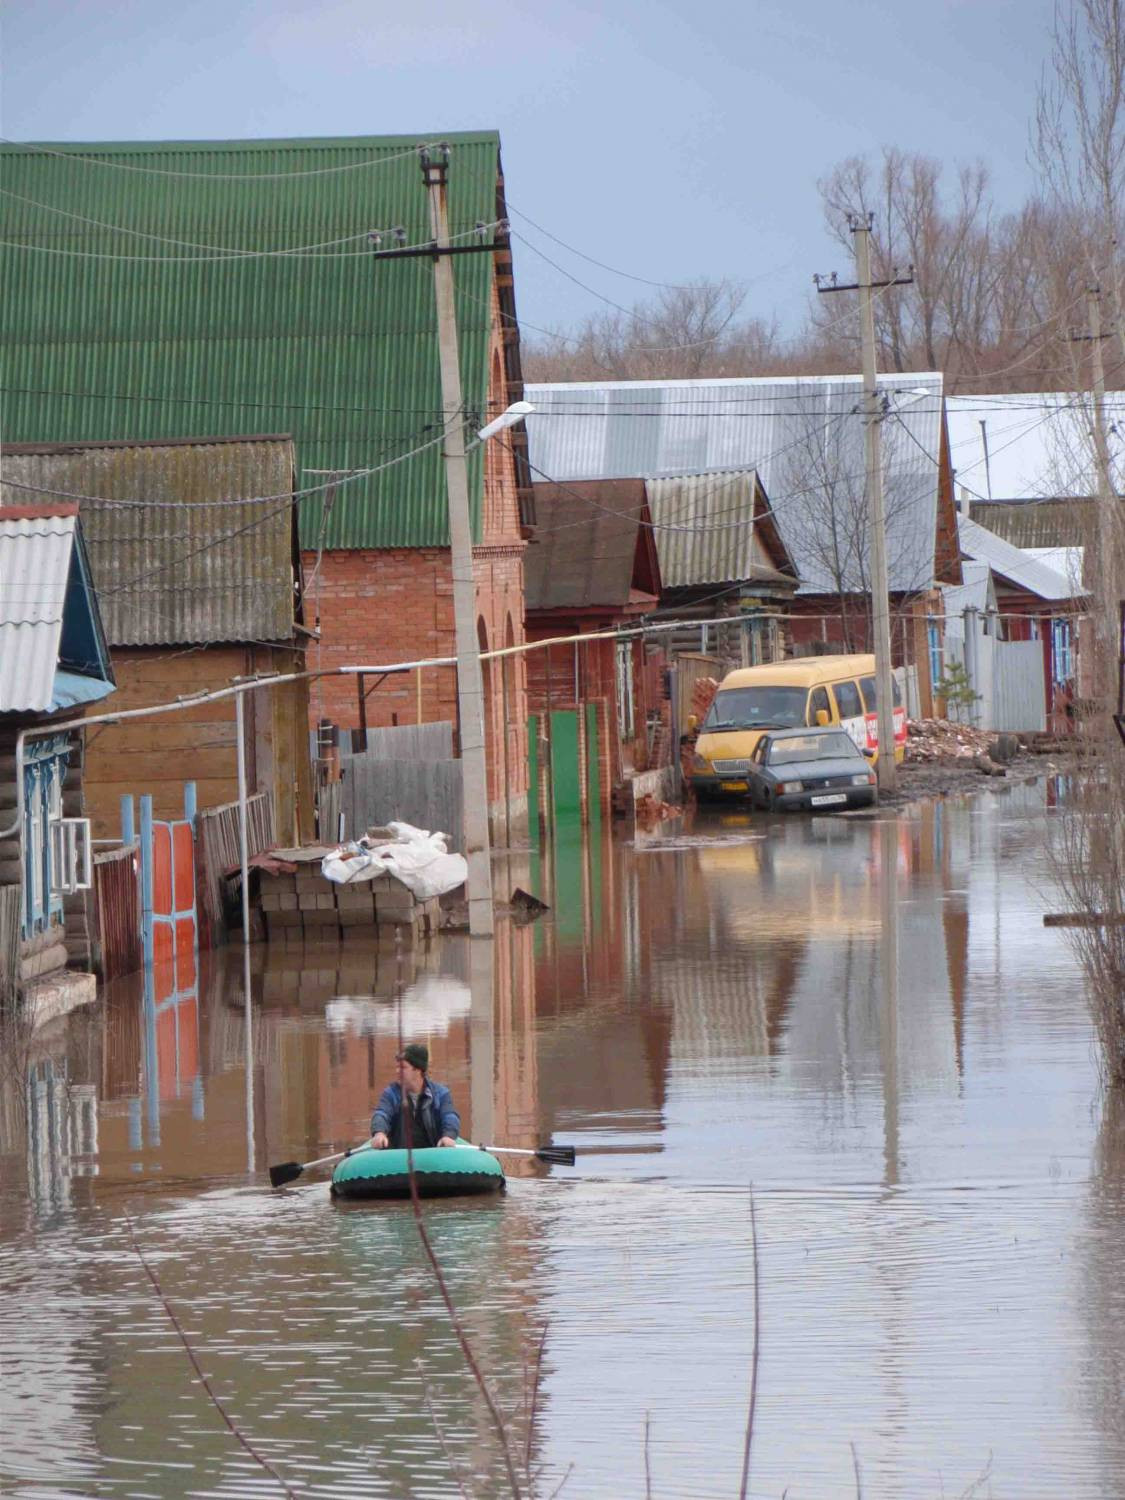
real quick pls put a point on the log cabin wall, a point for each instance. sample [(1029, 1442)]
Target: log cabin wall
[(157, 755)]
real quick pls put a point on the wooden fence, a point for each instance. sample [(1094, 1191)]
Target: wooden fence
[(217, 853), (117, 903), (425, 793), (9, 942)]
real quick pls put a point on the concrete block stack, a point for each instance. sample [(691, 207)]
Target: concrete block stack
[(304, 907)]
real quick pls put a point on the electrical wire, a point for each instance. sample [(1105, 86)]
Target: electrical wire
[(121, 166), (671, 286), (289, 496), (322, 251)]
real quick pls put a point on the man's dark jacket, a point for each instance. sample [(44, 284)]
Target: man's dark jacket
[(434, 1115)]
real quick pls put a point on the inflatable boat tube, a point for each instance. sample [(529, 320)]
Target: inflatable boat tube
[(440, 1171)]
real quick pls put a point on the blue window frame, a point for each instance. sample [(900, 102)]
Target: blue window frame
[(933, 641), (1062, 651), (43, 775)]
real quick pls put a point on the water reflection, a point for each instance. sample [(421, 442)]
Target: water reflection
[(864, 1017)]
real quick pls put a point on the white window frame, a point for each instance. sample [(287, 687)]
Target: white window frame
[(72, 856)]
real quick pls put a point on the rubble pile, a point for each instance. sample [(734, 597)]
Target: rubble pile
[(702, 692), (942, 739)]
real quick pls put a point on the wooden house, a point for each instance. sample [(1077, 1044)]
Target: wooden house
[(592, 568), (194, 554), (54, 665)]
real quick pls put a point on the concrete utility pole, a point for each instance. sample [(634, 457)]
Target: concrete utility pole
[(876, 522), (470, 686), (1105, 568)]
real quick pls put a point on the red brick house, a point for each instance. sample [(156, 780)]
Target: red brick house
[(592, 567), (297, 328)]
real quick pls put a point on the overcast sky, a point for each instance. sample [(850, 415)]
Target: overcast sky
[(669, 138)]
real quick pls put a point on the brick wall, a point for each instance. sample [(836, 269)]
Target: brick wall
[(378, 606)]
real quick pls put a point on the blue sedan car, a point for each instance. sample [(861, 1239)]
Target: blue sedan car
[(804, 770)]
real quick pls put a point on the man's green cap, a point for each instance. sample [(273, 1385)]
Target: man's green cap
[(417, 1054)]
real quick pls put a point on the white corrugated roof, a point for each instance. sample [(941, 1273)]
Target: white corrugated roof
[(1039, 445), (1013, 563), (804, 435), (34, 568), (976, 592)]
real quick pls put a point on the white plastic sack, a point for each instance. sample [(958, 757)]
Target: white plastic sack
[(420, 860)]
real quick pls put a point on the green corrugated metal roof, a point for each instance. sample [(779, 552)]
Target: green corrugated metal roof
[(333, 346)]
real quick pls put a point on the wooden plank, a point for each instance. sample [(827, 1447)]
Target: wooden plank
[(1083, 919)]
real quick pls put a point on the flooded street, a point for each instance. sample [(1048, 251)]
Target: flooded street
[(865, 1019)]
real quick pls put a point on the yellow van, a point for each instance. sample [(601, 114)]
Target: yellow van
[(806, 690)]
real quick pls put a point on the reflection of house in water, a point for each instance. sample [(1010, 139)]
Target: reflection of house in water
[(603, 1048), (779, 953)]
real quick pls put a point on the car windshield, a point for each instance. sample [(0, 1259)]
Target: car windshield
[(756, 708), (832, 746)]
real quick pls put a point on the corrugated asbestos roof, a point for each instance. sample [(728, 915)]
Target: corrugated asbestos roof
[(330, 345), (1018, 567), (804, 435), (1037, 523), (700, 536), (1037, 445), (34, 572), (169, 567), (584, 550)]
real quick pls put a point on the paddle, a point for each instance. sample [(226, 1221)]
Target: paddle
[(560, 1156), (289, 1171)]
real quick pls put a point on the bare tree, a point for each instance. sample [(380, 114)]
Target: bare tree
[(687, 332), (1079, 139)]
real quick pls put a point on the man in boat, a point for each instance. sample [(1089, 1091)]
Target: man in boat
[(429, 1116)]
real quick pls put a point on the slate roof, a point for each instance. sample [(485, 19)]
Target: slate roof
[(717, 528), (49, 630), (187, 555), (585, 550), (803, 435)]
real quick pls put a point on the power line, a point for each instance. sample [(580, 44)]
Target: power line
[(289, 496), (292, 500), (121, 166), (322, 251)]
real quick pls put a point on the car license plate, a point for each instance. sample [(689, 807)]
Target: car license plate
[(828, 797), (732, 786)]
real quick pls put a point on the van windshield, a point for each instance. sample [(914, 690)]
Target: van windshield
[(756, 708)]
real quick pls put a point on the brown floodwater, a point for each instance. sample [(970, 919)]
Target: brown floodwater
[(863, 1019)]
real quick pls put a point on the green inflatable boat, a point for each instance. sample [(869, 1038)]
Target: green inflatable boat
[(440, 1171)]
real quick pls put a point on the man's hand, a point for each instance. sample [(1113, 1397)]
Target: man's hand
[(379, 1140), (447, 1140)]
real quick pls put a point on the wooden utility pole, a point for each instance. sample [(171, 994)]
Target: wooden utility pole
[(470, 685), (876, 522)]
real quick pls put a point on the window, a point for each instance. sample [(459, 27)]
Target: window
[(871, 693), (756, 708), (933, 644), (848, 700), (818, 702), (1062, 654), (833, 746)]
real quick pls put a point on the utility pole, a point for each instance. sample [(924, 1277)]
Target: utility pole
[(1107, 645), (470, 685), (876, 522)]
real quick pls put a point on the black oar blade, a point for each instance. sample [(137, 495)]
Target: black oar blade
[(288, 1171), (559, 1156)]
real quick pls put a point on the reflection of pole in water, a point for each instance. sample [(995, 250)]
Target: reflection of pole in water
[(888, 984), (482, 1037), (244, 872), (248, 1033)]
